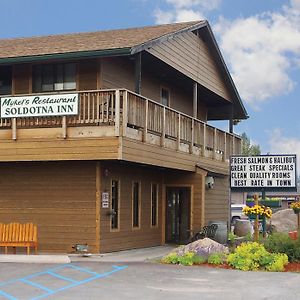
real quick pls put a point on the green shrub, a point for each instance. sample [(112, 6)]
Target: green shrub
[(282, 243), (216, 259), (253, 256), (188, 259), (171, 258)]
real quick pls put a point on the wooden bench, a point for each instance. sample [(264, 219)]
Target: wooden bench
[(18, 235)]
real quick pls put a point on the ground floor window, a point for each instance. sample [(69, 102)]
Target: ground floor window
[(136, 205), (115, 205), (154, 204)]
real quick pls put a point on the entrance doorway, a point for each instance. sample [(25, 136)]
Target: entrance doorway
[(178, 214)]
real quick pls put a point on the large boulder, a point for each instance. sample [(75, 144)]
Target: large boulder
[(203, 248), (284, 221)]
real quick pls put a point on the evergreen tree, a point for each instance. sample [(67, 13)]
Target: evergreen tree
[(247, 148)]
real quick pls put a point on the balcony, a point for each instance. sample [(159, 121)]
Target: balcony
[(125, 115)]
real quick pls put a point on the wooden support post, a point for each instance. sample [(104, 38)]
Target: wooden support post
[(192, 137), (98, 205), (145, 130), (225, 147), (215, 143), (64, 127), (125, 112), (256, 222), (179, 132), (163, 133), (117, 113), (204, 141), (202, 200), (138, 72), (14, 128), (195, 100)]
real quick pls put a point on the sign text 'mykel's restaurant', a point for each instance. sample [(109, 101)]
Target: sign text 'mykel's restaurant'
[(39, 106), (263, 172)]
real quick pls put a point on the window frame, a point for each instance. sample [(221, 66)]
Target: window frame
[(55, 67), (10, 80), (157, 200), (139, 205), (119, 202)]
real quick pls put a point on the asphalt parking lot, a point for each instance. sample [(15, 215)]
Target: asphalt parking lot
[(104, 280)]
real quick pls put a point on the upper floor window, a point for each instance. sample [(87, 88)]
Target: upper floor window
[(5, 80), (54, 77), (165, 96)]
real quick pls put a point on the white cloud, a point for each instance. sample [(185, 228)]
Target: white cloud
[(260, 50), (280, 144), (185, 10)]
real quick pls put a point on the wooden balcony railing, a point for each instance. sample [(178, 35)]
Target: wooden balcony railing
[(137, 117)]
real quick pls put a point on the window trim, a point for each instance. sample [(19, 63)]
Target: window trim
[(163, 87), (157, 200), (139, 203), (36, 64), (119, 204)]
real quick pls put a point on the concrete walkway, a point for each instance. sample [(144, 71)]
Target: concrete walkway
[(133, 255)]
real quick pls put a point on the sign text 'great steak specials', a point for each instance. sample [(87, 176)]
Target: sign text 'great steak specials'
[(269, 172), (39, 106)]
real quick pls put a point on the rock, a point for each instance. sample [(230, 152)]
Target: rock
[(284, 221), (203, 248)]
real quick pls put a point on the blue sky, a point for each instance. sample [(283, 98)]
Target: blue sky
[(260, 41)]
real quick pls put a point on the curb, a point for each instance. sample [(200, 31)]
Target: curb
[(42, 259)]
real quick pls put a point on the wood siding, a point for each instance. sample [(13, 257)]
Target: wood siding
[(71, 149), (117, 72), (57, 196), (190, 55), (136, 151), (22, 82), (217, 200), (127, 237), (88, 74)]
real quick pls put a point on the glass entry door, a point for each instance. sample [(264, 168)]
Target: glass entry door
[(178, 215)]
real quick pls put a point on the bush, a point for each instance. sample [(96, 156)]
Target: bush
[(253, 256), (282, 243), (216, 258), (187, 259)]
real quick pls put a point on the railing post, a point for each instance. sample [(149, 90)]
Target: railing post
[(215, 144), (204, 140), (14, 128), (64, 127), (179, 132), (145, 130), (225, 147), (125, 112), (117, 113), (163, 133), (192, 137)]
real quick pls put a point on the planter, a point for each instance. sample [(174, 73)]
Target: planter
[(293, 235), (296, 210)]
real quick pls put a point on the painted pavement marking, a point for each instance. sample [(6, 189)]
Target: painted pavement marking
[(52, 272)]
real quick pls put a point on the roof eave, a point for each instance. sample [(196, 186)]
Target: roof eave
[(67, 55), (151, 43)]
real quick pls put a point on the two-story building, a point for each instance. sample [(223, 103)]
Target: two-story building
[(104, 137)]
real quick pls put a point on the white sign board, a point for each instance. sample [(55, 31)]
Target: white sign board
[(269, 172), (105, 200), (39, 106)]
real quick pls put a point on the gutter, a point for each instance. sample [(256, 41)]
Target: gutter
[(69, 55)]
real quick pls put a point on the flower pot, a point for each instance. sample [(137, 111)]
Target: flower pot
[(293, 235), (296, 210)]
